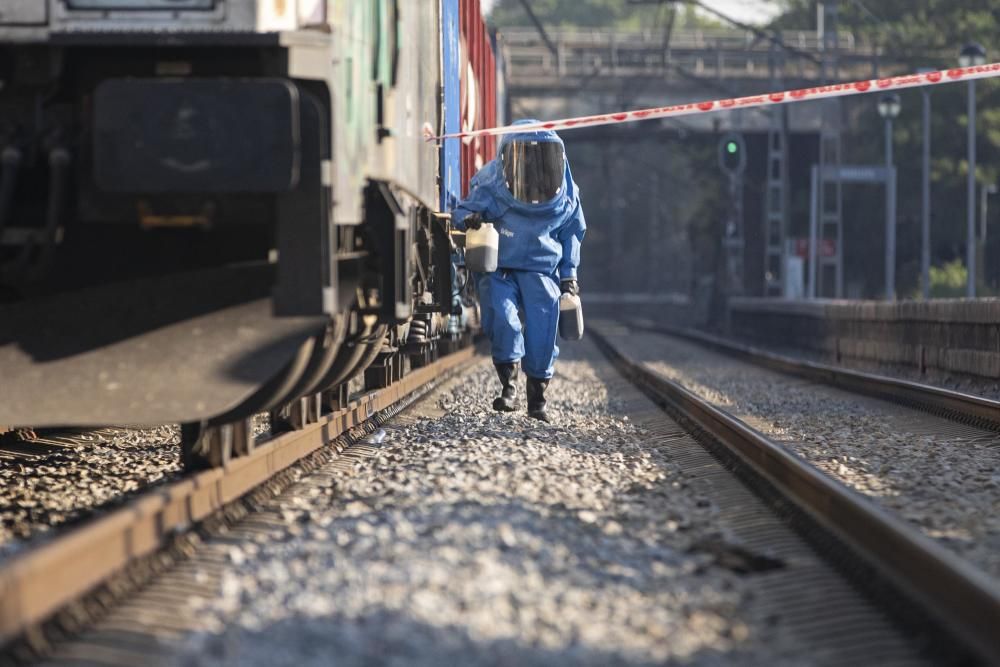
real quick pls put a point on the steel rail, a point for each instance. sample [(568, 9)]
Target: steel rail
[(960, 598), (36, 584), (947, 403)]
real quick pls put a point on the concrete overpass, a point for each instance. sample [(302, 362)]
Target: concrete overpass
[(594, 71)]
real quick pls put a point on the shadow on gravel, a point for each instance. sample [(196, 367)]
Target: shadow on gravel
[(591, 594), (377, 638)]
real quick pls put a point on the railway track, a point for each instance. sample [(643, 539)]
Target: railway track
[(470, 537), (965, 408), (44, 578), (874, 547), (741, 534)]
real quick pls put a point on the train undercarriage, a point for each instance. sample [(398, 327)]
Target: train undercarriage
[(174, 249)]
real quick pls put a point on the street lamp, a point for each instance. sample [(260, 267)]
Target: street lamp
[(972, 55), (889, 106)]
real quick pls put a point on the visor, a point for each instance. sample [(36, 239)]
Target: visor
[(533, 170)]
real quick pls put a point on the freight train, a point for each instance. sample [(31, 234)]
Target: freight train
[(214, 208)]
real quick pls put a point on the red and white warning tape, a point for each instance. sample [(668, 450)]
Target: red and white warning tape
[(768, 99)]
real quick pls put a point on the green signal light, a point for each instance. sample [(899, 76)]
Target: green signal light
[(732, 148)]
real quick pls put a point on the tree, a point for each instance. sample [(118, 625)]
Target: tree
[(928, 33)]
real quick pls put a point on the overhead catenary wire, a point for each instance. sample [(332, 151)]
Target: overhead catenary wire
[(771, 36), (540, 28), (768, 35), (680, 70), (878, 19), (543, 33)]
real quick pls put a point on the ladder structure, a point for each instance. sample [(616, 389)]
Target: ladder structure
[(776, 203), (826, 270)]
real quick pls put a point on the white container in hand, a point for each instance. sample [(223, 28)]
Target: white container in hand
[(481, 248), (570, 317)]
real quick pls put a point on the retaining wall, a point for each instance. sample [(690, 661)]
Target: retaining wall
[(672, 309), (949, 336)]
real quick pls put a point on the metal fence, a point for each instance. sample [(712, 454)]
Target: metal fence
[(709, 53)]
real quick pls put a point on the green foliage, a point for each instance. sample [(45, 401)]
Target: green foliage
[(916, 28), (926, 33), (949, 280)]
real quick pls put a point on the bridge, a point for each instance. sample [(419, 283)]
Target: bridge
[(593, 71)]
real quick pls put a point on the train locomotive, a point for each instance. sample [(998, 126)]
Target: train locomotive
[(215, 208)]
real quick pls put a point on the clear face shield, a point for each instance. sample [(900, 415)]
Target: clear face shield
[(533, 170)]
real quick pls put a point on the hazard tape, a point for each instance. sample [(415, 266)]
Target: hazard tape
[(750, 102)]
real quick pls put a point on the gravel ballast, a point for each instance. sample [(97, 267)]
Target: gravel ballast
[(941, 476), (476, 538), (966, 384), (69, 484)]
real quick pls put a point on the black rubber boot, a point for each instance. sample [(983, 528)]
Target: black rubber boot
[(536, 399), (507, 400)]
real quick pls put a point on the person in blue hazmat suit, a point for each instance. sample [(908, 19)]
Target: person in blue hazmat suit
[(528, 193)]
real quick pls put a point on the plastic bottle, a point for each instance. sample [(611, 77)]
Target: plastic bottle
[(481, 248), (570, 317)]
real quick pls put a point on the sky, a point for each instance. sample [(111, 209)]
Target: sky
[(749, 11)]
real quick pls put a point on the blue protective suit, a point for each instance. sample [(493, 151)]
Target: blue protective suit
[(539, 246)]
